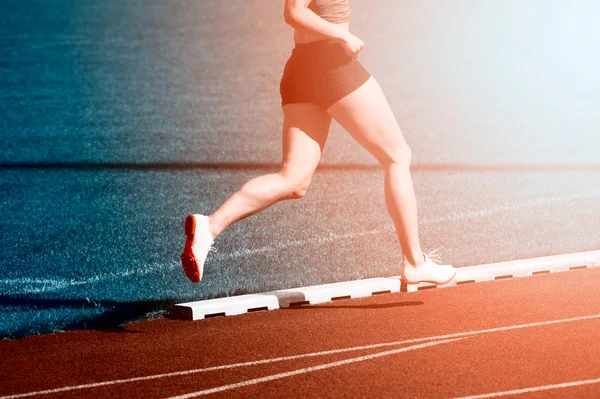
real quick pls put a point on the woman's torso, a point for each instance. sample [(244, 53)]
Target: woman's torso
[(334, 11)]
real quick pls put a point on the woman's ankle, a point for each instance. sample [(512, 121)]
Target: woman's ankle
[(214, 227), (415, 261)]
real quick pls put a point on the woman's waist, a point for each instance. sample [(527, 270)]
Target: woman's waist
[(318, 45), (306, 37)]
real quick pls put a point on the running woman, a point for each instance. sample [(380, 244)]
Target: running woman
[(321, 80)]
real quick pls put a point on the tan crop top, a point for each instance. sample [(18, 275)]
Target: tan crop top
[(335, 11)]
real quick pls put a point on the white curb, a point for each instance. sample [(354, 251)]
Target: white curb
[(360, 288)]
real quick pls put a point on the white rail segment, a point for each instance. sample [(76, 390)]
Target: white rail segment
[(224, 306), (284, 298), (361, 288)]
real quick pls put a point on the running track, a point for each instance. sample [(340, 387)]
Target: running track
[(539, 334)]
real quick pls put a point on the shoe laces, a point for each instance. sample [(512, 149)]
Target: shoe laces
[(435, 258), (212, 249)]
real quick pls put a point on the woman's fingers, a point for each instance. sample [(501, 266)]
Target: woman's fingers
[(353, 51), (353, 45)]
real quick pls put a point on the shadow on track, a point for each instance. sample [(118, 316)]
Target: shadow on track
[(111, 317), (375, 306)]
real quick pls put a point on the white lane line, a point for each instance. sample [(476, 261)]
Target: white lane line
[(452, 217), (29, 280), (302, 243), (34, 286), (50, 285), (304, 355), (532, 389), (311, 369)]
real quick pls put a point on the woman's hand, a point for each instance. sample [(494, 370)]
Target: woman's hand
[(352, 44)]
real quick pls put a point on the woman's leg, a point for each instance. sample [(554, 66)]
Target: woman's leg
[(366, 115), (305, 131)]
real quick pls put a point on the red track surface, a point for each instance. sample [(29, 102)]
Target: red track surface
[(533, 355)]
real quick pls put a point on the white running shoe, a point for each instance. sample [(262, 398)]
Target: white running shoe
[(432, 271), (198, 243)]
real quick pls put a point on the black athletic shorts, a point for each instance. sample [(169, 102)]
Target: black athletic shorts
[(320, 72)]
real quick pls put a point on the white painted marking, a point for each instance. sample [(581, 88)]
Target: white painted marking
[(311, 369), (532, 389), (36, 285), (452, 217), (29, 280), (304, 355)]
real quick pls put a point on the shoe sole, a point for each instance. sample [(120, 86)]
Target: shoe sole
[(188, 260), (403, 279)]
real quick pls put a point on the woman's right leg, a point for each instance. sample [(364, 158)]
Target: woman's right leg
[(367, 116), (305, 131)]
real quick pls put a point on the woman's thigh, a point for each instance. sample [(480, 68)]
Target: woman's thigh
[(305, 131), (367, 116)]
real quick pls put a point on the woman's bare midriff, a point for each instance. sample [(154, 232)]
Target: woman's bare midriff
[(302, 36)]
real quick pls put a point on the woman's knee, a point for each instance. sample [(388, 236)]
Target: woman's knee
[(299, 189), (299, 192), (296, 187), (397, 155)]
